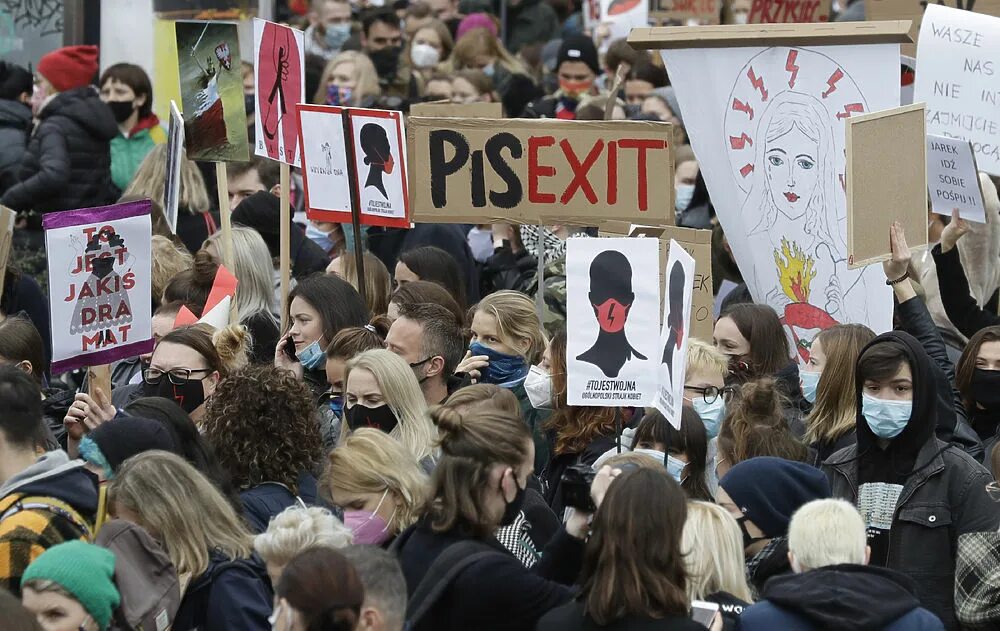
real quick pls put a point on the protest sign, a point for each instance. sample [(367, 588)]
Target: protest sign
[(896, 190), (953, 179), (7, 218), (612, 304), (279, 84), (540, 171), (175, 162), (768, 131), (380, 167), (457, 110), (913, 10), (211, 79), (688, 12), (795, 11), (958, 59), (621, 16), (99, 284), (907, 79), (675, 333), (324, 163)]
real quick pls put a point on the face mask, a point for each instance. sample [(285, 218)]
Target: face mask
[(320, 238), (336, 404), (675, 467), (887, 419), (986, 389), (682, 197), (574, 89), (739, 367), (502, 368), (121, 110), (368, 527), (381, 418), (611, 315), (250, 103), (424, 55), (311, 356), (336, 35), (655, 454), (481, 243), (386, 61), (338, 96), (513, 508), (538, 386), (189, 396), (810, 380), (489, 70), (711, 414), (748, 539)]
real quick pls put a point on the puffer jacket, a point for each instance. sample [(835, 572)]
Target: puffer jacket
[(15, 125), (67, 163)]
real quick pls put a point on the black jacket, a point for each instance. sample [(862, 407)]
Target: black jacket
[(15, 125), (571, 617), (67, 163), (956, 297), (228, 595), (262, 502), (552, 475)]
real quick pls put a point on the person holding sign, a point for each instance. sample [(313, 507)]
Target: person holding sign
[(956, 296)]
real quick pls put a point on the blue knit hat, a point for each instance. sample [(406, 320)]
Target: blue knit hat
[(84, 570), (769, 490)]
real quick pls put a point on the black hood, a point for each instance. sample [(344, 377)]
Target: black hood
[(838, 597), (85, 107), (262, 212), (898, 459), (15, 114)]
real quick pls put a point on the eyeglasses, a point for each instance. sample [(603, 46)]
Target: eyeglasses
[(710, 393), (993, 490), (176, 376)]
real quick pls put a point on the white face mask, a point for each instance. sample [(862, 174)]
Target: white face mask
[(741, 18), (538, 386), (424, 55), (683, 193)]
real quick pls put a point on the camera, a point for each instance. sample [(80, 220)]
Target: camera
[(576, 481)]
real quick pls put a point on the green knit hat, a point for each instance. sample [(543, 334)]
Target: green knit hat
[(84, 570)]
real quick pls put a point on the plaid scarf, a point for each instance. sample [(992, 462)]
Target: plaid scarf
[(977, 579)]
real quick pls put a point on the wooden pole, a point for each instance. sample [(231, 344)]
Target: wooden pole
[(222, 183), (359, 254), (285, 248)]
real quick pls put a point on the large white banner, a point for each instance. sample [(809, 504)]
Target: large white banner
[(767, 126)]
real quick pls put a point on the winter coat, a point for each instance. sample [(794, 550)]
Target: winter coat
[(557, 465), (572, 617), (230, 594), (193, 227), (857, 597), (15, 126), (67, 163), (262, 502), (506, 270), (530, 22), (128, 152)]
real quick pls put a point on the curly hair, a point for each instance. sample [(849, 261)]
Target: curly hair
[(260, 423), (574, 426)]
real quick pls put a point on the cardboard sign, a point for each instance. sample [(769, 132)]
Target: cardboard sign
[(913, 10), (675, 334), (953, 180), (324, 163), (894, 140), (175, 162), (99, 284), (279, 85), (959, 57), (784, 11), (457, 110), (541, 171), (7, 219), (688, 12), (211, 79), (612, 304)]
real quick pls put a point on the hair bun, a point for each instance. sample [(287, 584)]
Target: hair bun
[(232, 343), (204, 269), (447, 419)]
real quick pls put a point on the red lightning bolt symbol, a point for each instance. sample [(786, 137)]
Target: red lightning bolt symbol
[(837, 75), (791, 67), (740, 106), (757, 83), (746, 170), (740, 142), (850, 107)]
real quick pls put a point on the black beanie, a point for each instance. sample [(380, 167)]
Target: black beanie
[(14, 81), (769, 490), (579, 48), (121, 438)]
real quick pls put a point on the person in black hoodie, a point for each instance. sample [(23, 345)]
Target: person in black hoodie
[(918, 494), (15, 120), (833, 586)]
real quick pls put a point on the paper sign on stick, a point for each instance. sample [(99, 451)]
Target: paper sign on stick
[(894, 140), (99, 284), (175, 162), (380, 164), (689, 12), (280, 84), (324, 163), (621, 16), (952, 179), (783, 11), (958, 61), (675, 334), (539, 171), (613, 303)]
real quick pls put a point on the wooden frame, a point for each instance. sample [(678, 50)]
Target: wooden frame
[(737, 35)]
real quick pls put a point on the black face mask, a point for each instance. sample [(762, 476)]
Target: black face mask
[(986, 389), (250, 103), (386, 61), (513, 508), (102, 266), (189, 396), (748, 539), (121, 109), (381, 418)]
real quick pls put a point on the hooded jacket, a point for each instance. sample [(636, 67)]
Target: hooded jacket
[(229, 594), (128, 152), (67, 163), (943, 488), (26, 533), (857, 597), (15, 125)]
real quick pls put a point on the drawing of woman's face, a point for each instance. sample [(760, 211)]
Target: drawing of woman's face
[(792, 171)]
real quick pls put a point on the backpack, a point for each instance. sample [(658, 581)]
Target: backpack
[(145, 576)]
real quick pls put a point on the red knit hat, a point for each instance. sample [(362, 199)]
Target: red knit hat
[(69, 67)]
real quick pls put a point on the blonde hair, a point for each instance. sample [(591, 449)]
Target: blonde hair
[(703, 357), (181, 508), (827, 532), (516, 319), (168, 261), (150, 178), (834, 413), (378, 283), (370, 461), (480, 42), (364, 76), (296, 528), (402, 394), (713, 552), (253, 269)]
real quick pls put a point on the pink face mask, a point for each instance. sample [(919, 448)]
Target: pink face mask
[(38, 96), (367, 526)]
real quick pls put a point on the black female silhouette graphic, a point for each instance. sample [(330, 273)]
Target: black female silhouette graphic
[(611, 297), (378, 156), (675, 316)]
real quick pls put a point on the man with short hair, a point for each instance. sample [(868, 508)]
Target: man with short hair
[(384, 607), (429, 339), (833, 587), (382, 41), (44, 500), (329, 28), (577, 68), (243, 179)]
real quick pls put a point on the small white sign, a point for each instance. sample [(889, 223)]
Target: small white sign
[(380, 159), (952, 178), (324, 163), (675, 334)]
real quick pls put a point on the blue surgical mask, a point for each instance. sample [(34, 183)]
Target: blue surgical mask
[(711, 414), (489, 70), (503, 370), (682, 197), (810, 380), (675, 467), (336, 404), (320, 238), (311, 356), (887, 419), (337, 35)]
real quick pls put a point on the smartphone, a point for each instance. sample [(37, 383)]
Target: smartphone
[(704, 612), (289, 350)]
